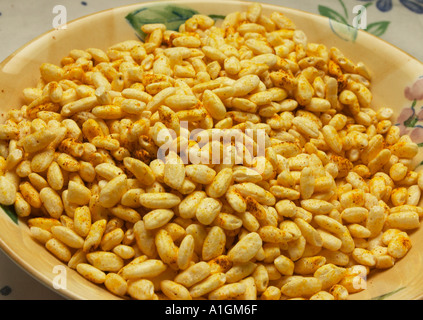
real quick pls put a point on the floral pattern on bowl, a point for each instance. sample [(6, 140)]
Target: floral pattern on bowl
[(415, 91), (338, 21), (415, 6), (171, 16), (410, 120)]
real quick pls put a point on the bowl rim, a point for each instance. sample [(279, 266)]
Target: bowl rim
[(154, 2), (37, 274)]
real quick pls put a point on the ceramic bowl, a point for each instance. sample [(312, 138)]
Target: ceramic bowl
[(396, 82)]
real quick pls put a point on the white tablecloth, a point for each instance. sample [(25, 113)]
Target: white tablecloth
[(399, 22)]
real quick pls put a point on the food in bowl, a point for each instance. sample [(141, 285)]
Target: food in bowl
[(238, 161)]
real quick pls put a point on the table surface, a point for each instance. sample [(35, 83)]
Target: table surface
[(21, 21)]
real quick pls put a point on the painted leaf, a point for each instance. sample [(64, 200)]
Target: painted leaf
[(332, 14), (170, 15), (368, 4), (345, 9), (413, 6), (217, 16), (344, 31), (5, 291), (411, 122), (384, 5), (378, 28), (10, 211), (387, 295)]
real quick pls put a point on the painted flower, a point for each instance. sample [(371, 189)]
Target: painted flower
[(415, 91), (415, 6), (410, 123), (416, 135)]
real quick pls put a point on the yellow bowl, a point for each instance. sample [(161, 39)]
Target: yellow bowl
[(394, 84)]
